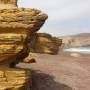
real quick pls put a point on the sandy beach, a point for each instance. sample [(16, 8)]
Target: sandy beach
[(60, 72)]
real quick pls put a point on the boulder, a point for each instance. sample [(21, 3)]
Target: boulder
[(77, 55)]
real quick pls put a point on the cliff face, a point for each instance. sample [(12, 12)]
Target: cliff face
[(17, 26), (18, 36), (45, 43), (78, 40)]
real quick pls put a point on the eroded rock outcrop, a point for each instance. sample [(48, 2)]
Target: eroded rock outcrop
[(16, 29), (8, 4), (14, 79), (45, 43), (17, 26)]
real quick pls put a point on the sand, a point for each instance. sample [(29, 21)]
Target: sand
[(60, 72)]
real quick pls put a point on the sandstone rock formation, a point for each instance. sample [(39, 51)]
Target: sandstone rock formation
[(17, 26), (6, 4), (14, 79), (16, 29), (45, 43)]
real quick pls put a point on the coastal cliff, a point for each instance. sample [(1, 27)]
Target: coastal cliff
[(78, 40)]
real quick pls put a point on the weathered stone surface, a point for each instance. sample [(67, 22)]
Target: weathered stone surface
[(30, 58), (45, 43), (8, 4), (21, 20), (16, 28), (14, 79)]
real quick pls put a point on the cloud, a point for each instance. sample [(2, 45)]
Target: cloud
[(60, 9), (65, 16)]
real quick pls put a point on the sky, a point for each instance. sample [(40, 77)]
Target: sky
[(65, 17)]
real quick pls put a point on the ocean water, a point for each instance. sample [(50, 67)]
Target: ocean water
[(84, 50)]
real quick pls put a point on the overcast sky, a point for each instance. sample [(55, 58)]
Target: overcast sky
[(65, 16)]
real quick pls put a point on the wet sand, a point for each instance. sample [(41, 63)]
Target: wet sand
[(60, 72)]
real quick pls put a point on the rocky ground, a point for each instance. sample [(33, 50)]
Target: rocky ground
[(60, 72)]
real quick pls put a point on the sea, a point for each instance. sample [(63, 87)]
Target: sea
[(84, 50)]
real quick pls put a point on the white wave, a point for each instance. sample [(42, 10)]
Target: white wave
[(79, 50)]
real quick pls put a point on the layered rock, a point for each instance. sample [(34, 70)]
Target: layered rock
[(8, 4), (21, 20), (17, 26), (14, 79), (45, 43)]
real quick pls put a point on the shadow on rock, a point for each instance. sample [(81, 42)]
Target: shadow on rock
[(42, 81)]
